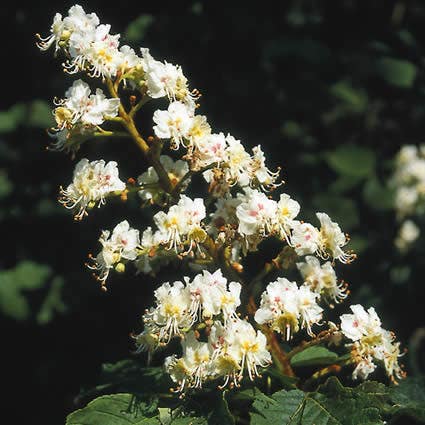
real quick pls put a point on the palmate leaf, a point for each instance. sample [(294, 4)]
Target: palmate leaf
[(124, 409), (116, 409), (333, 405), (409, 398)]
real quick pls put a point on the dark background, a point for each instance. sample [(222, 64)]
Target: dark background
[(308, 80)]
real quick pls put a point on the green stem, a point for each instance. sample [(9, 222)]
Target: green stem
[(138, 105), (105, 133)]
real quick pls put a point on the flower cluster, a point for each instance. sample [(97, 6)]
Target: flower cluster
[(92, 182), (322, 279), (225, 159), (371, 343), (79, 114), (232, 345), (88, 45), (409, 184), (287, 308), (214, 231), (253, 217)]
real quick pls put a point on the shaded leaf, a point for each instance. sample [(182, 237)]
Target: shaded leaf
[(52, 303), (351, 160), (332, 405), (26, 275), (409, 398), (6, 185), (40, 114), (314, 356), (116, 409), (221, 414), (377, 195), (12, 118), (354, 100), (396, 72), (137, 29)]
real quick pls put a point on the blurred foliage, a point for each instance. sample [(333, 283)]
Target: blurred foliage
[(330, 89), (29, 276)]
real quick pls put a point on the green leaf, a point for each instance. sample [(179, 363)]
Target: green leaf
[(396, 72), (6, 185), (332, 405), (131, 376), (284, 407), (137, 29), (351, 160), (221, 414), (354, 100), (409, 398), (52, 303), (378, 196), (27, 275), (116, 409), (344, 183), (40, 114), (12, 118), (314, 356)]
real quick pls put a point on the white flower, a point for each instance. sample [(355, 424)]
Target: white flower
[(176, 170), (365, 365), (81, 106), (260, 172), (122, 243), (305, 238), (371, 342), (210, 149), (150, 256), (322, 279), (174, 123), (286, 308), (360, 323), (172, 311), (198, 131), (193, 367), (406, 154), (332, 240), (237, 347), (126, 59), (405, 200), (310, 312), (182, 223), (62, 29), (238, 162), (92, 182), (255, 213), (407, 234), (287, 210), (166, 79), (103, 53), (247, 347), (210, 295)]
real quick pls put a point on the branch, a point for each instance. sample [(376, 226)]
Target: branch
[(152, 156)]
